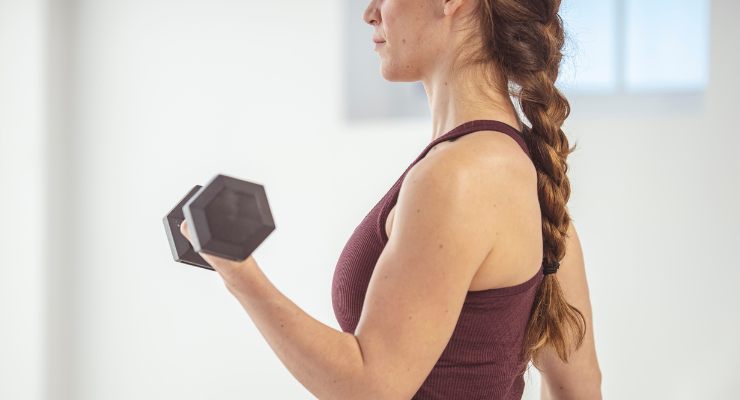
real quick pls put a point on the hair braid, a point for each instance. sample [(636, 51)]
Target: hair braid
[(523, 40)]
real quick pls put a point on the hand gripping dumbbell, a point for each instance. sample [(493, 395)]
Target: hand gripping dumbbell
[(228, 218)]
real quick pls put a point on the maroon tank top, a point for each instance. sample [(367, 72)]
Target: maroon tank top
[(482, 359)]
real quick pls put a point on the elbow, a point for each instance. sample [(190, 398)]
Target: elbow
[(369, 392), (375, 389), (373, 381), (364, 386), (388, 394), (597, 384), (595, 391), (584, 387), (380, 385)]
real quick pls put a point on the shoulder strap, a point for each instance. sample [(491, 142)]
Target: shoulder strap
[(476, 126)]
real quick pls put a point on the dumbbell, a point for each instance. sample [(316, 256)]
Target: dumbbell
[(227, 217)]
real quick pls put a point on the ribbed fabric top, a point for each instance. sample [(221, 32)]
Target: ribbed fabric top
[(482, 359)]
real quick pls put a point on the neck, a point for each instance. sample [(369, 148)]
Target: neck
[(455, 98)]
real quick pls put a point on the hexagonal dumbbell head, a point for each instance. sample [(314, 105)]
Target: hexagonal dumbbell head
[(229, 218), (181, 249)]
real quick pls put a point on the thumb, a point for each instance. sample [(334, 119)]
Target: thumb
[(184, 230)]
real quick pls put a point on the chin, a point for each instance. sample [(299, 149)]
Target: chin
[(396, 74)]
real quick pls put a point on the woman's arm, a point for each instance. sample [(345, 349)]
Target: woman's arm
[(580, 377), (328, 362), (441, 235)]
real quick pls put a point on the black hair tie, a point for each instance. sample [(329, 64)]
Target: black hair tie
[(551, 269)]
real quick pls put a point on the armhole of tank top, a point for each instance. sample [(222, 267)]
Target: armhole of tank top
[(534, 280), (388, 202), (385, 209)]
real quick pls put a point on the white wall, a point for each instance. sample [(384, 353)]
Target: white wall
[(157, 96), (22, 194)]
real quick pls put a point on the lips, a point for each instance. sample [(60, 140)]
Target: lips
[(378, 40)]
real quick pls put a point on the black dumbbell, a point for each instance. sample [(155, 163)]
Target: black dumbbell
[(228, 218)]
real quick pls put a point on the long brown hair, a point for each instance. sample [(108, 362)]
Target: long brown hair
[(522, 40)]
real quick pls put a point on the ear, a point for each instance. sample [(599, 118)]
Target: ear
[(451, 6)]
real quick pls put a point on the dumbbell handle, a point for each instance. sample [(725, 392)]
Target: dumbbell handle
[(182, 250)]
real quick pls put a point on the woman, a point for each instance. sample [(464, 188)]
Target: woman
[(469, 267)]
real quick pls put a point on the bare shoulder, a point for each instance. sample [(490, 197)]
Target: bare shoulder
[(500, 174), (490, 154), (487, 174), (501, 189)]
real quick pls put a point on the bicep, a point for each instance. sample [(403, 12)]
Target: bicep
[(581, 372), (421, 278)]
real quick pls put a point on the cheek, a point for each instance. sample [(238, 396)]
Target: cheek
[(399, 23), (410, 39), (409, 27)]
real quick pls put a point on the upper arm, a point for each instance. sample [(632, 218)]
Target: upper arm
[(441, 235), (580, 377)]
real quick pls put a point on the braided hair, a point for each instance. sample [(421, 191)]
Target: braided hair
[(522, 41)]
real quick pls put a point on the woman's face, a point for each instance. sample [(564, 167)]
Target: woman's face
[(415, 35)]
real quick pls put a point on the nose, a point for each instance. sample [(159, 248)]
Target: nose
[(371, 14)]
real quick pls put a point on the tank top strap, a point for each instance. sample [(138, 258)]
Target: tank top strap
[(476, 126)]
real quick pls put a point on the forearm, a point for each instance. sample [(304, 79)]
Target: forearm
[(326, 361)]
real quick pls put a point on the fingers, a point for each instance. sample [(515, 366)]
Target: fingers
[(221, 265)]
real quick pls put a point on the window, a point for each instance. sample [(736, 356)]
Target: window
[(635, 46)]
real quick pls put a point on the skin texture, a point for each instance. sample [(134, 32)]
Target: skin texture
[(423, 39), (456, 207), (442, 233)]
